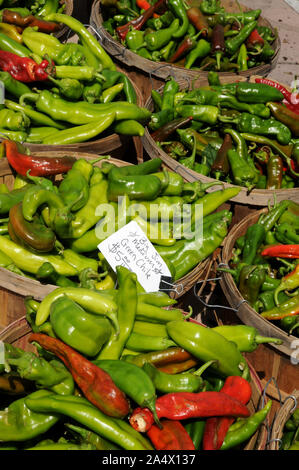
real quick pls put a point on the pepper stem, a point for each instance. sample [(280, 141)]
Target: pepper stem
[(201, 370), (294, 327), (264, 339), (28, 96)]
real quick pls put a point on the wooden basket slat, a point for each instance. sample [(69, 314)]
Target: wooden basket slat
[(257, 197), (163, 69)]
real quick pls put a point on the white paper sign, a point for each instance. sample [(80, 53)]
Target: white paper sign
[(2, 92), (130, 247)]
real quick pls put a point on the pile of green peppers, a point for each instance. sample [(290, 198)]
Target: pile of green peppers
[(290, 436), (265, 266), (42, 404), (51, 231), (83, 98), (240, 133), (39, 8), (201, 36)]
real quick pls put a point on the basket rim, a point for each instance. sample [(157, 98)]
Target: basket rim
[(163, 70), (283, 414), (257, 197)]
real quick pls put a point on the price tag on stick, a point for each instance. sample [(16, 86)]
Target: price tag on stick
[(130, 247)]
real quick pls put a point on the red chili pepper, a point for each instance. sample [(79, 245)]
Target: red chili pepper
[(24, 69), (13, 17), (198, 19), (137, 23), (291, 106), (217, 427), (184, 405), (255, 41), (144, 5), (38, 166), (292, 98), (172, 436), (95, 383), (282, 251)]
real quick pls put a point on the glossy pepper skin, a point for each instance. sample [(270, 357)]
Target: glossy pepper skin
[(246, 337), (38, 166), (81, 330), (285, 309), (285, 116), (115, 430), (171, 436), (134, 181), (229, 359), (95, 384), (20, 423), (35, 235), (200, 51), (242, 431), (178, 9), (184, 405), (133, 380)]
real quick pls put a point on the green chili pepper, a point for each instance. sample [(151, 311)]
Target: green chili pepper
[(13, 120), (20, 423), (207, 345), (157, 39), (35, 117), (80, 409), (243, 429), (133, 381), (127, 306), (195, 429), (82, 331), (13, 86), (246, 337), (92, 93), (257, 93), (86, 37), (203, 113), (167, 383), (242, 60), (232, 44), (178, 9), (51, 375), (201, 51), (10, 45), (89, 437), (70, 88)]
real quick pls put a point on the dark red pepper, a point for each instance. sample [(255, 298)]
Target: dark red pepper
[(198, 19), (184, 405), (185, 46), (218, 43), (217, 427), (24, 69), (13, 17), (162, 134), (38, 166), (221, 166), (137, 23), (172, 436), (94, 382), (255, 42)]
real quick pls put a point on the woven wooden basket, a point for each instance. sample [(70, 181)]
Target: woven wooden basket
[(243, 310), (18, 332), (284, 413), (163, 69), (68, 10), (14, 287), (257, 197)]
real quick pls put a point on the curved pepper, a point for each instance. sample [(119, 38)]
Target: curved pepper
[(178, 9), (38, 166), (33, 234), (95, 383), (229, 360), (20, 423), (85, 36), (116, 430), (82, 331)]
